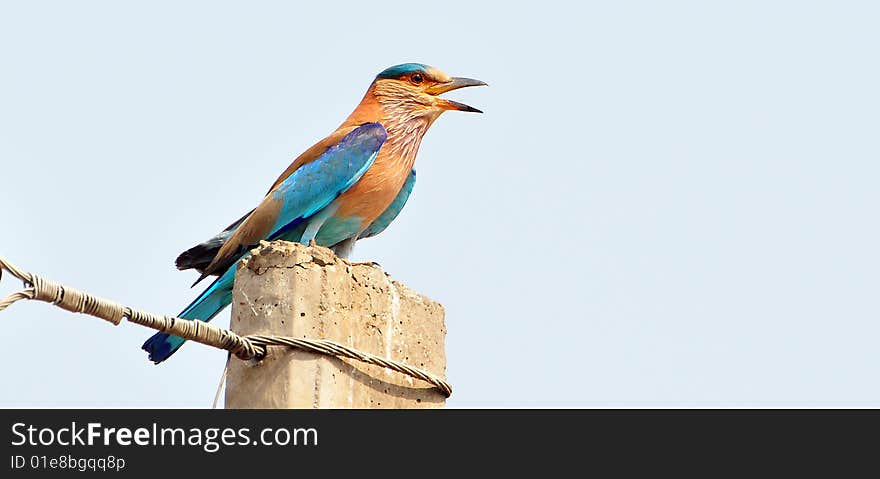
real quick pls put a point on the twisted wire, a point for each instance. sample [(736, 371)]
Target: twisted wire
[(243, 347)]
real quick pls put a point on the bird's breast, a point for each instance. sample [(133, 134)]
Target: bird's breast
[(376, 190)]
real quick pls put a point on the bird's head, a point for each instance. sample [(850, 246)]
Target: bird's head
[(413, 90)]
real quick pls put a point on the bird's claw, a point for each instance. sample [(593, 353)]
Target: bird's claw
[(371, 264)]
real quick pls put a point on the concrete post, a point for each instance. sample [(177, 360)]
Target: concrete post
[(288, 289)]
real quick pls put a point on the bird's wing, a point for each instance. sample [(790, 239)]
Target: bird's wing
[(390, 213), (200, 256), (301, 192), (315, 152)]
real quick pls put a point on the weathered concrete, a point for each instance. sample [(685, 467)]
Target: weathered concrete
[(287, 289)]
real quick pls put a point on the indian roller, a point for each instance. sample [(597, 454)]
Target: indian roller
[(349, 186)]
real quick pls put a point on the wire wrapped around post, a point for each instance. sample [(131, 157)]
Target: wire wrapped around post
[(243, 347)]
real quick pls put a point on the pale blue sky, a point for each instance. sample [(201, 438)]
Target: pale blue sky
[(665, 203)]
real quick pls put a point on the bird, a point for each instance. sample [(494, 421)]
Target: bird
[(348, 186)]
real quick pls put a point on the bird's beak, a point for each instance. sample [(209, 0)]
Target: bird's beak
[(454, 84)]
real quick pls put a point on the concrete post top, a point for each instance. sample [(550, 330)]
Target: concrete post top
[(285, 253), (293, 290)]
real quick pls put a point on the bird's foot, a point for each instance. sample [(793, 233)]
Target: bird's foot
[(365, 263)]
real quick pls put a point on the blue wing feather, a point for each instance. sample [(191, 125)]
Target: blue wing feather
[(315, 185)]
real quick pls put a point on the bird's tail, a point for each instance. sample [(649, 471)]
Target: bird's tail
[(207, 305)]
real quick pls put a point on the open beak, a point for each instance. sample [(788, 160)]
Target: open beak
[(454, 84)]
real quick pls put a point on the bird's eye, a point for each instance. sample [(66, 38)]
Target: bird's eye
[(416, 78)]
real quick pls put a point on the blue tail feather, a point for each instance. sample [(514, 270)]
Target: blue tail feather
[(207, 305)]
